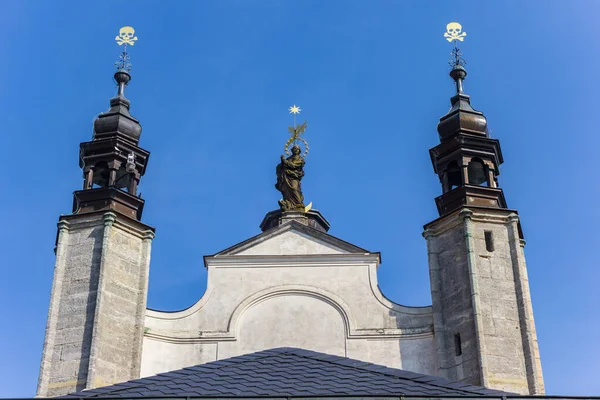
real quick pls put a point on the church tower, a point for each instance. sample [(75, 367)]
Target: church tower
[(98, 302), (482, 314)]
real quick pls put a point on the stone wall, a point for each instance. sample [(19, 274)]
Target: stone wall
[(65, 359), (453, 313), (95, 322), (482, 310)]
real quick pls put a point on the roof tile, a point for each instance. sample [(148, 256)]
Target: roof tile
[(287, 372)]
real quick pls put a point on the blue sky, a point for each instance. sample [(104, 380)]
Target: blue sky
[(211, 85)]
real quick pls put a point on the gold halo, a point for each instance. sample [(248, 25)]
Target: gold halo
[(289, 142)]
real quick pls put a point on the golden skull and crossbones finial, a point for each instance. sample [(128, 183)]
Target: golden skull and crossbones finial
[(126, 36), (454, 32)]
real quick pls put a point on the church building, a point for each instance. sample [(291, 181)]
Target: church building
[(292, 310)]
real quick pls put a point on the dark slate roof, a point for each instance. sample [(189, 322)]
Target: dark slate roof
[(287, 372)]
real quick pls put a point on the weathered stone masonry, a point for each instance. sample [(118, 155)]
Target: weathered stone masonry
[(481, 301), (98, 301)]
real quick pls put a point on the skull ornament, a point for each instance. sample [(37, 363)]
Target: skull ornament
[(130, 166), (126, 36), (454, 32)]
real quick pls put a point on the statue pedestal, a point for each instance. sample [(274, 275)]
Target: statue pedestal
[(312, 218)]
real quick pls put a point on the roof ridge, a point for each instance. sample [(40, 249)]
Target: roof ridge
[(381, 368)]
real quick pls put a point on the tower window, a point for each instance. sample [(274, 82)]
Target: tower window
[(457, 345), (489, 240)]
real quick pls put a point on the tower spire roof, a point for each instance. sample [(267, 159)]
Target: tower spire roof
[(117, 121), (461, 117)]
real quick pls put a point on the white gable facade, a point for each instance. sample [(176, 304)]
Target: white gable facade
[(291, 286)]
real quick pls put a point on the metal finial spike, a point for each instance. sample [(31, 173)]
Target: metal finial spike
[(457, 60), (125, 37), (454, 33), (123, 63)]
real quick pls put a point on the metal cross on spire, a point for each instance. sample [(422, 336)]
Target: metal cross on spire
[(125, 37)]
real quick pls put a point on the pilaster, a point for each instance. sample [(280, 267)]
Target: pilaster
[(533, 363), (51, 351), (466, 215)]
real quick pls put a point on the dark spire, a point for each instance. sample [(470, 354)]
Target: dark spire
[(461, 117), (458, 72), (467, 160), (117, 121), (112, 161)]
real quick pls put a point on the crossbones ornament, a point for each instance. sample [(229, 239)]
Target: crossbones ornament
[(454, 32), (126, 36)]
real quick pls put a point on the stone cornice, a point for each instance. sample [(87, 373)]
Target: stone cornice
[(476, 214), (184, 337), (301, 260), (88, 220)]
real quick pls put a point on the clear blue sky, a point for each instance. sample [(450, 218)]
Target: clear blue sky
[(211, 85)]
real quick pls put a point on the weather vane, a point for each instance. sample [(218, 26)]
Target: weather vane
[(295, 132), (454, 33), (125, 37)]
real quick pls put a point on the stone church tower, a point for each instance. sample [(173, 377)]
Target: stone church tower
[(482, 314), (294, 284), (98, 301)]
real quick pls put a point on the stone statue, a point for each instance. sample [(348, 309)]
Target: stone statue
[(289, 174)]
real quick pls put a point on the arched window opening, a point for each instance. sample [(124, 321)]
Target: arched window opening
[(454, 175), (477, 174)]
